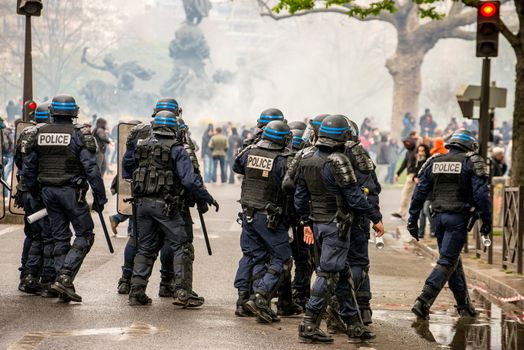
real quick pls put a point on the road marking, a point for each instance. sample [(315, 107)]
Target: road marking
[(33, 340), (10, 229)]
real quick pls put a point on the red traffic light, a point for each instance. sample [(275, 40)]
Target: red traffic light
[(488, 9), (32, 105)]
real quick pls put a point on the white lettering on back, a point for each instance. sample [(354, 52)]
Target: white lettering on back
[(447, 168), (54, 139)]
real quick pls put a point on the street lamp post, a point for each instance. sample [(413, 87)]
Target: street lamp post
[(28, 8)]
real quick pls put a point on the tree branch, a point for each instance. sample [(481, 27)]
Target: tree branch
[(268, 12), (513, 39), (458, 33)]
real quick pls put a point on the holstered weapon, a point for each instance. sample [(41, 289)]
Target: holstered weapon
[(472, 219), (344, 222), (274, 214), (171, 205)]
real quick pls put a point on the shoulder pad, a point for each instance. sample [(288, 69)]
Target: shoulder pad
[(342, 169), (427, 163), (306, 152), (246, 149), (87, 138), (27, 139), (137, 132), (479, 166), (362, 158), (192, 155)]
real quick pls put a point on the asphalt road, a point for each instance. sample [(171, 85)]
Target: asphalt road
[(105, 320)]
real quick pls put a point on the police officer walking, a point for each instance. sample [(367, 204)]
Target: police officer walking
[(62, 162), (458, 185), (162, 172), (264, 238), (267, 116), (326, 198), (37, 256)]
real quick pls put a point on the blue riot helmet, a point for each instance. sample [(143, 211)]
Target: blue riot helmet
[(355, 137), (167, 104), (297, 129), (464, 140), (42, 113), (276, 136), (311, 132), (165, 123), (63, 106), (334, 131), (269, 115)]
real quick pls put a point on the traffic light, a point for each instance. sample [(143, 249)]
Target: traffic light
[(488, 15), (29, 7), (29, 109)]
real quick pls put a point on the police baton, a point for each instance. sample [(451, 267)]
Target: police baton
[(2, 181), (204, 232), (103, 223)]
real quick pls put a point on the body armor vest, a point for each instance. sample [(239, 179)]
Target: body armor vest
[(258, 187), (449, 191), (58, 164), (22, 150), (139, 132), (155, 176), (324, 204)]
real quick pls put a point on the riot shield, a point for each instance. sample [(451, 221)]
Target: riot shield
[(19, 127), (123, 187), (2, 189)]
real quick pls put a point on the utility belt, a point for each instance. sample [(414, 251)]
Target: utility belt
[(272, 212), (170, 204), (344, 222)]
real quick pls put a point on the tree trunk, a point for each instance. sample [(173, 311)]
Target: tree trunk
[(405, 69), (517, 154)]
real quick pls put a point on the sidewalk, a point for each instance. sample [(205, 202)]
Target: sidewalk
[(502, 287)]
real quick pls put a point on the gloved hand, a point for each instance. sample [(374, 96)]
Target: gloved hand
[(19, 202), (215, 204), (202, 207), (485, 229), (413, 229), (99, 205)]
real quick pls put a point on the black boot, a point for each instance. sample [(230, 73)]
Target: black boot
[(138, 296), (187, 299), (309, 330), (258, 305), (166, 289), (300, 299), (241, 310), (356, 331), (366, 313), (47, 292), (334, 323), (124, 285), (464, 305), (31, 285), (289, 309), (424, 302), (64, 286)]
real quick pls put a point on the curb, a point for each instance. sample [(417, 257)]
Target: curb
[(478, 280), (11, 219)]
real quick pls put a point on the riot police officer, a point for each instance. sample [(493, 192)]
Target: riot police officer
[(37, 256), (326, 198), (62, 162), (292, 295), (264, 239), (163, 171), (358, 254), (458, 185), (140, 132)]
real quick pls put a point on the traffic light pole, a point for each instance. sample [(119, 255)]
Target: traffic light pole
[(28, 66), (485, 123)]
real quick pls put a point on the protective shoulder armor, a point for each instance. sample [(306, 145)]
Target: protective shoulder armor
[(342, 169), (192, 155), (427, 163), (479, 166), (364, 161), (307, 152), (87, 138), (27, 139), (135, 133)]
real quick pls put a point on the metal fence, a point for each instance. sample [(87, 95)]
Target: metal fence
[(513, 229)]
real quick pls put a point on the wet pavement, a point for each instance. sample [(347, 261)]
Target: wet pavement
[(104, 320)]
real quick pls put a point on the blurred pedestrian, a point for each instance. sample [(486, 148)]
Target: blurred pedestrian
[(393, 155), (409, 123), (101, 135), (382, 158), (409, 164), (218, 146), (422, 155), (10, 110), (207, 158), (438, 147), (235, 143), (498, 162), (427, 124)]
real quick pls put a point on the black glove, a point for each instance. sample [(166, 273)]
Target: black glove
[(413, 229), (19, 201), (99, 205), (202, 207), (215, 204), (485, 229)]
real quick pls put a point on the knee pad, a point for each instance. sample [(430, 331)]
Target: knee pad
[(61, 248), (189, 251), (83, 244)]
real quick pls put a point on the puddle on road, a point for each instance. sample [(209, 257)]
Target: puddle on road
[(492, 330)]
